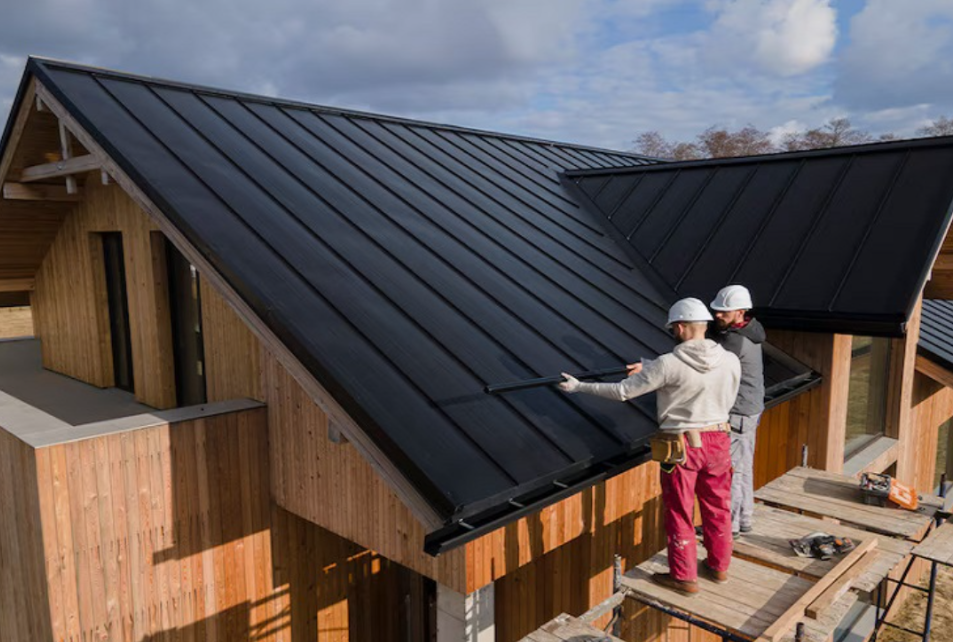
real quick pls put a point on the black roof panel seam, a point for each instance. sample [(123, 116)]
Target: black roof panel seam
[(648, 211), (870, 227), (462, 179), (766, 222), (821, 213), (673, 227), (721, 219), (625, 196), (542, 251)]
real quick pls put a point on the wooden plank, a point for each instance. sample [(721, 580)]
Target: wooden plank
[(38, 192), (19, 125), (938, 546), (768, 543), (935, 371), (60, 168), (838, 496), (17, 285), (789, 618), (840, 586)]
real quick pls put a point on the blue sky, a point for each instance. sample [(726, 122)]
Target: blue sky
[(590, 71)]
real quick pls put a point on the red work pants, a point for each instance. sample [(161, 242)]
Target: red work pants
[(707, 473)]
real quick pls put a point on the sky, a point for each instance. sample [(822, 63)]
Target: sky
[(597, 72)]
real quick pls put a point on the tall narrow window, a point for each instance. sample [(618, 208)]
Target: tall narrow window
[(114, 263), (185, 303), (867, 400)]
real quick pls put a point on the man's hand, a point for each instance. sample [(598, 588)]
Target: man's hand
[(633, 368), (570, 385)]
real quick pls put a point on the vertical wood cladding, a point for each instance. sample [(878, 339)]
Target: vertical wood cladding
[(23, 598), (72, 315), (232, 355), (333, 486), (16, 322), (932, 406), (168, 532)]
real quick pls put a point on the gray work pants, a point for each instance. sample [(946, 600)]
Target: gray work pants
[(743, 432)]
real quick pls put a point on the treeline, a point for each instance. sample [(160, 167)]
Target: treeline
[(718, 142)]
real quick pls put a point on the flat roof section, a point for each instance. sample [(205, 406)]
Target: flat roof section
[(43, 408)]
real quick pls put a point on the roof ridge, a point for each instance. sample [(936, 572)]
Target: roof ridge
[(845, 150), (327, 109)]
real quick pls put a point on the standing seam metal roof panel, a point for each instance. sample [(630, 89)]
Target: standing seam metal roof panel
[(835, 240)]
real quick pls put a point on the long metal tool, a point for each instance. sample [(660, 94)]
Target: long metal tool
[(512, 386)]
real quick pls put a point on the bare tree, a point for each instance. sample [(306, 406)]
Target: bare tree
[(721, 143), (942, 126), (837, 132), (652, 144)]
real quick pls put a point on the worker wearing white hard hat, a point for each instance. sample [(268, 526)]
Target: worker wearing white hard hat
[(741, 334), (696, 385)]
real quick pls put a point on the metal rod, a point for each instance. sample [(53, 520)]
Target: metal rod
[(928, 624), (513, 386), (902, 628), (702, 624), (799, 632), (903, 578), (616, 587), (804, 455)]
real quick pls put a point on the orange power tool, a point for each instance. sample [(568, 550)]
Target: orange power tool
[(878, 489)]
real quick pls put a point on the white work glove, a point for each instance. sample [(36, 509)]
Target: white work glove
[(570, 385)]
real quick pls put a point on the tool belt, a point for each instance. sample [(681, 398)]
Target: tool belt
[(671, 448)]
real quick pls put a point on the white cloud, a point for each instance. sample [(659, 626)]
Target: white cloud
[(779, 37), (900, 54)]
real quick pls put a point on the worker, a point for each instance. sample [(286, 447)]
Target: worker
[(697, 384), (741, 334)]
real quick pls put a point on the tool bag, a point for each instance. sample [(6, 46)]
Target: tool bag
[(668, 448)]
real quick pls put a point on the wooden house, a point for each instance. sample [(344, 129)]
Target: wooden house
[(254, 406)]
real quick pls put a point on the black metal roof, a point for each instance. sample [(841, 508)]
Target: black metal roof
[(407, 265), (936, 332), (832, 240)]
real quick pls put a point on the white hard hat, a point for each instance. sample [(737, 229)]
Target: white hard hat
[(688, 311), (732, 297)]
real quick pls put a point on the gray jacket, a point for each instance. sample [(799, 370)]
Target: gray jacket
[(746, 344)]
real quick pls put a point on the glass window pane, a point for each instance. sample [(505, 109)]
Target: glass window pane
[(867, 400)]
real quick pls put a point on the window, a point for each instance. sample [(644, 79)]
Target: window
[(867, 399)]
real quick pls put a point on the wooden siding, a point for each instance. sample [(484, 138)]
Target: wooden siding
[(232, 353), (331, 485), (821, 416), (22, 576), (168, 532), (932, 406), (72, 318), (16, 322)]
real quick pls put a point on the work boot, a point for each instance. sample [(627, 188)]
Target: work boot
[(669, 582), (718, 577), (747, 529)]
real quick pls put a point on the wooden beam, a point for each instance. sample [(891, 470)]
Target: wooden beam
[(38, 192), (384, 467), (789, 618), (66, 167), (840, 586), (66, 153), (936, 372), (18, 126), (16, 285)]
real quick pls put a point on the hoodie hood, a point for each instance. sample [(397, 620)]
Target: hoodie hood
[(753, 331), (700, 354)]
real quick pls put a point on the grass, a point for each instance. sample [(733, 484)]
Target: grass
[(911, 615)]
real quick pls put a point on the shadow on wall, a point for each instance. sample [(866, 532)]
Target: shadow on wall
[(266, 571), (569, 578)]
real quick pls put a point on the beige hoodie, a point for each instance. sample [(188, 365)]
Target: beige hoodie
[(697, 384)]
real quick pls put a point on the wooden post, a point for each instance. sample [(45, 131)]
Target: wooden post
[(899, 420)]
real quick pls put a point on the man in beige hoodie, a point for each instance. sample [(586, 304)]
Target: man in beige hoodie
[(696, 386)]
